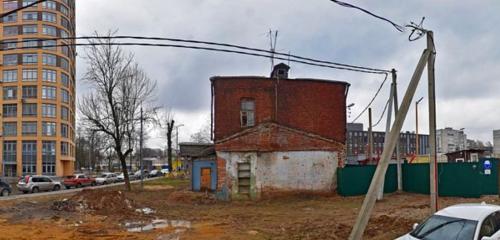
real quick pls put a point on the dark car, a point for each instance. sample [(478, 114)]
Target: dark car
[(5, 188)]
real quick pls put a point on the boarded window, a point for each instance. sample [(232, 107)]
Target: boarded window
[(247, 113)]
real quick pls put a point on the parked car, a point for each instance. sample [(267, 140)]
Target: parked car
[(462, 221), (137, 174), (79, 180), (5, 188), (155, 173), (35, 184), (121, 177), (106, 178), (164, 171)]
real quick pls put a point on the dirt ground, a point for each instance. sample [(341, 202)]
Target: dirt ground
[(166, 210)]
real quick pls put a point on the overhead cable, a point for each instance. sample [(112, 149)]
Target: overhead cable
[(373, 99)]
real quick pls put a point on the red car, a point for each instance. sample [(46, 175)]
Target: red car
[(78, 180)]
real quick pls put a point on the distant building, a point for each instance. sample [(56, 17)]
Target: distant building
[(469, 155), (496, 143), (450, 140), (357, 144)]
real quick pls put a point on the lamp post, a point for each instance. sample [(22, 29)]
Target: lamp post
[(177, 140), (416, 122)]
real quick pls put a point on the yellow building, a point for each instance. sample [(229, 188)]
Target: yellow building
[(38, 89)]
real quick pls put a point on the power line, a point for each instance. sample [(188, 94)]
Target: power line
[(22, 8), (395, 25), (312, 62), (373, 99), (383, 113)]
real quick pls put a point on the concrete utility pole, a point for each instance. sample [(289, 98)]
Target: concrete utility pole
[(396, 109), (378, 177), (432, 122), (417, 141), (370, 135), (140, 152), (387, 129)]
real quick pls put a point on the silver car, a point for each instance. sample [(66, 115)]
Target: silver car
[(34, 184), (106, 178)]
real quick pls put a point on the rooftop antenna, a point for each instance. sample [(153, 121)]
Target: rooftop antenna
[(273, 39)]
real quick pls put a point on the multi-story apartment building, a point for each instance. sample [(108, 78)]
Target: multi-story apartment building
[(450, 140), (38, 88), (357, 143)]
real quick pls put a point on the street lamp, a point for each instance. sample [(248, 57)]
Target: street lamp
[(416, 122)]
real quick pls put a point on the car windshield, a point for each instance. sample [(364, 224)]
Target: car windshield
[(440, 227), (104, 176)]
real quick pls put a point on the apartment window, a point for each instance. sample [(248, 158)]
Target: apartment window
[(10, 152), (10, 30), (49, 158), (29, 109), (49, 59), (30, 75), (247, 113), (64, 130), (30, 16), (9, 76), (29, 157), (65, 23), (28, 2), (30, 43), (10, 128), (49, 30), (64, 64), (9, 93), (65, 50), (10, 18), (29, 128), (10, 59), (49, 45), (64, 10), (49, 5), (49, 75), (30, 58), (64, 113), (30, 29), (49, 110), (10, 5), (9, 44), (64, 34), (9, 110), (49, 129), (65, 96), (49, 17), (65, 79), (30, 92), (64, 148), (48, 92)]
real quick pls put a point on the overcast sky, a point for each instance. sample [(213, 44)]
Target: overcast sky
[(466, 36)]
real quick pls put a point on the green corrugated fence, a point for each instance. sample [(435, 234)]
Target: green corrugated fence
[(455, 179)]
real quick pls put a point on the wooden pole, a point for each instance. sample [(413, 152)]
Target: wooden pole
[(369, 202), (396, 109), (432, 122)]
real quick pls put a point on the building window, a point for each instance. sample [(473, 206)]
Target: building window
[(30, 75), (49, 110), (64, 148), (30, 16), (49, 30), (10, 128), (9, 44), (10, 18), (49, 17), (64, 10), (29, 109), (28, 2), (9, 93), (65, 23), (65, 96), (64, 64), (9, 76), (30, 29), (48, 92), (30, 58), (10, 59), (29, 157), (64, 113), (49, 158), (49, 75), (29, 128), (30, 92), (65, 79), (10, 158), (64, 130), (9, 110), (10, 30), (49, 45), (49, 59), (247, 113), (30, 43), (49, 129), (10, 5), (49, 5), (64, 34)]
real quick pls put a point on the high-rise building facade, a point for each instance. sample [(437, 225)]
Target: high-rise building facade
[(38, 88), (450, 140)]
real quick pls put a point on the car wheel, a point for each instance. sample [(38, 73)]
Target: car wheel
[(5, 193), (35, 190), (68, 187), (79, 185), (104, 183), (93, 184), (57, 188), (25, 192)]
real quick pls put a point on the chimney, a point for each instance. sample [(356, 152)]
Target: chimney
[(280, 71)]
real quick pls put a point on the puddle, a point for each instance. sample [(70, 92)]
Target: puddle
[(141, 226), (146, 211)]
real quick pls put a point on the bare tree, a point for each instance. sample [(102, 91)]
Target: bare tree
[(167, 123), (120, 89), (203, 135)]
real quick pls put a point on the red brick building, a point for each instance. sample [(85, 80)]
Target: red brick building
[(278, 133)]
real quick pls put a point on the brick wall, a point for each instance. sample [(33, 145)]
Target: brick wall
[(221, 173)]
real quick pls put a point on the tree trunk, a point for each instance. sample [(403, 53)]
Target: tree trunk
[(123, 161), (170, 128)]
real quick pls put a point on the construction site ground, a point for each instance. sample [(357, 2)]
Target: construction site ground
[(167, 210)]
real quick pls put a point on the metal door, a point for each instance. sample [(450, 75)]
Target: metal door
[(206, 179)]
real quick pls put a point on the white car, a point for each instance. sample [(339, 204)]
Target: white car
[(106, 178), (462, 222)]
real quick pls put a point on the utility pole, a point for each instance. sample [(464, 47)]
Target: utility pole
[(396, 109), (432, 122), (140, 152), (378, 177), (380, 195), (370, 135), (417, 139)]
